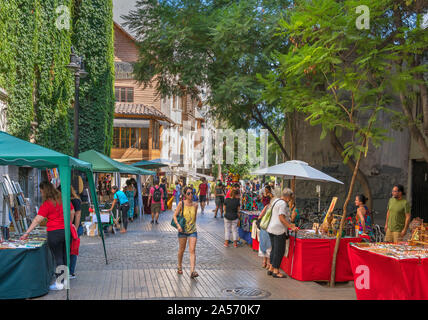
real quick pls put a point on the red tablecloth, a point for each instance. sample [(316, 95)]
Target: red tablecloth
[(388, 278), (255, 244), (312, 259)]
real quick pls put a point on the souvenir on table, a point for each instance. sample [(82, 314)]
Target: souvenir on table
[(396, 251), (329, 224), (420, 235)]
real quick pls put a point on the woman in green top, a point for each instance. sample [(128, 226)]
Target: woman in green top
[(189, 210)]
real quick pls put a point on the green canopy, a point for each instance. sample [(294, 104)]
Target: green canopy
[(102, 163), (17, 152), (149, 164)]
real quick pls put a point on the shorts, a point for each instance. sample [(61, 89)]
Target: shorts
[(187, 235), (202, 198), (219, 201), (392, 236), (156, 207)]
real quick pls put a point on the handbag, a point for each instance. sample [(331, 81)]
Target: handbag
[(180, 218), (264, 223)]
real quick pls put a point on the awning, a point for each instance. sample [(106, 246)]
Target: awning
[(131, 123)]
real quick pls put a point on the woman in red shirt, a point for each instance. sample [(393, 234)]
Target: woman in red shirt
[(51, 209)]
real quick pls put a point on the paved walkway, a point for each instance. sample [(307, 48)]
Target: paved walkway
[(142, 265)]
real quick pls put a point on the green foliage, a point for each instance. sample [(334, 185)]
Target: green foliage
[(219, 45), (93, 38), (335, 74), (32, 70)]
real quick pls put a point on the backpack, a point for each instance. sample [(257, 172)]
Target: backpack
[(157, 195)]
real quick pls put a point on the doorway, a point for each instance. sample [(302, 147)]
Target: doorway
[(420, 190)]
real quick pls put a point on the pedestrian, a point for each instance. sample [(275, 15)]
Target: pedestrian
[(295, 213), (136, 206), (231, 218), (236, 187), (202, 192), (51, 209), (130, 194), (123, 207), (75, 220), (278, 229), (163, 185), (364, 219), (155, 198), (208, 193), (397, 216), (177, 192), (219, 198), (189, 210), (264, 239)]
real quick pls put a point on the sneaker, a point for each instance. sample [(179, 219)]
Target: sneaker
[(157, 222), (152, 222), (72, 276), (56, 286)]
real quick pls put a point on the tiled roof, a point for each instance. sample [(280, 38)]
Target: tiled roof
[(140, 110)]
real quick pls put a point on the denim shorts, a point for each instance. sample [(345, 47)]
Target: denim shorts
[(186, 235)]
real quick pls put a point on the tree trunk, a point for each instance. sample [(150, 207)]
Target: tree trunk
[(342, 222), (415, 132), (361, 177)]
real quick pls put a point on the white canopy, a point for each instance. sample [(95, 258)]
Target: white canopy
[(295, 169)]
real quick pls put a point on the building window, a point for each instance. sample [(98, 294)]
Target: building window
[(145, 138), (124, 138), (156, 135), (123, 94)]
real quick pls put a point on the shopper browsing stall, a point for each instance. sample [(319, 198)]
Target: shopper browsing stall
[(364, 219), (277, 229), (231, 218), (123, 207), (51, 209)]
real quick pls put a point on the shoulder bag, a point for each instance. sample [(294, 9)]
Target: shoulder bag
[(264, 223), (180, 218)]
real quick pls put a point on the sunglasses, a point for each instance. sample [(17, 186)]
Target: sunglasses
[(188, 193)]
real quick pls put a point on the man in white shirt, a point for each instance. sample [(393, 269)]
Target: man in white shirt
[(277, 229)]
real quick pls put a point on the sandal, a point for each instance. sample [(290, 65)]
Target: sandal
[(194, 275), (264, 265), (269, 273), (226, 245), (279, 275), (179, 270)]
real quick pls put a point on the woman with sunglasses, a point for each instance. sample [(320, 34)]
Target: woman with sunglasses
[(189, 209)]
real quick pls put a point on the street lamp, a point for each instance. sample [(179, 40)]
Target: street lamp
[(76, 66)]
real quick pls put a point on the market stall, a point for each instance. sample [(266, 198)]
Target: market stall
[(27, 270), (384, 271), (17, 152), (103, 164), (309, 257), (245, 228)]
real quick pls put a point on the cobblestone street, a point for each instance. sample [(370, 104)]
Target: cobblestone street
[(142, 265)]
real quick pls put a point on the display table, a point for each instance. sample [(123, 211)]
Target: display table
[(388, 278), (313, 257), (25, 273), (246, 225)]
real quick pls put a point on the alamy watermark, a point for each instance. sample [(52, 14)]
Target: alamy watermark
[(363, 21), (204, 147), (63, 17), (362, 281)]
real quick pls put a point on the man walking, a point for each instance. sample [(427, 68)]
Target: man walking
[(202, 192), (155, 197), (398, 215)]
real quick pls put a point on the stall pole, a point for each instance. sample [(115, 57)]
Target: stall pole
[(140, 197), (65, 177)]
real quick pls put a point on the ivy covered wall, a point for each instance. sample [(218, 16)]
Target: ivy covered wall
[(33, 58), (93, 38)]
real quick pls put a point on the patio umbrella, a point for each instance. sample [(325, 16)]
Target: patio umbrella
[(296, 169), (147, 164)]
